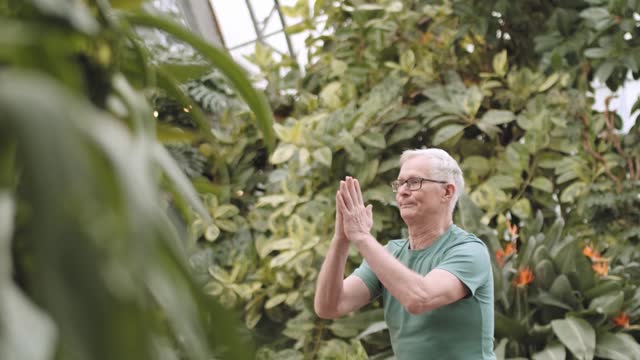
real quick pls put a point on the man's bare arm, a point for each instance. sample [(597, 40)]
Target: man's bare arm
[(336, 296), (415, 292)]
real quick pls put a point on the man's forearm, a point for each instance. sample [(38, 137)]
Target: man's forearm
[(403, 283), (330, 279)]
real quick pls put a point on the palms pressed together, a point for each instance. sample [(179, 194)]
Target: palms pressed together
[(353, 219)]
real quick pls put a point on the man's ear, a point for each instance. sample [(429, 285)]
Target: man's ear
[(449, 191)]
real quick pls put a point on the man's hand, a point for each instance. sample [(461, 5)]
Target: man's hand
[(357, 219), (339, 233)]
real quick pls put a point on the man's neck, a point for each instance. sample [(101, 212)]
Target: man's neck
[(423, 235)]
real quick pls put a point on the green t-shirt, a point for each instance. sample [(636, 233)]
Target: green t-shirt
[(461, 330)]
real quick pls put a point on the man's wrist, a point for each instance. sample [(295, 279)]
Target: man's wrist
[(361, 239), (341, 241)]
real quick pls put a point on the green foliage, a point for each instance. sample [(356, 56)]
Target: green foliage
[(545, 174), (501, 86), (92, 245)]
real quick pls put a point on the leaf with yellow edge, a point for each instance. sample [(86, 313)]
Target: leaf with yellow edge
[(323, 155), (275, 301), (283, 153), (212, 232), (547, 84), (500, 63)]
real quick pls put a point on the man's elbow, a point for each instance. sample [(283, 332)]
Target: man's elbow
[(415, 309), (417, 306), (326, 313)]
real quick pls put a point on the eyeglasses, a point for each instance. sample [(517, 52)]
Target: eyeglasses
[(413, 184)]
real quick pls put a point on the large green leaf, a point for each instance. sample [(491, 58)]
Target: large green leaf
[(447, 132), (544, 273), (501, 348), (126, 4), (551, 352), (554, 234), (617, 346), (222, 61), (403, 131), (509, 327), (373, 328), (354, 324), (323, 155), (500, 64), (604, 70), (28, 333), (543, 184), (76, 13), (497, 117), (577, 335), (102, 246), (373, 139), (608, 304), (603, 287), (597, 53), (561, 289), (283, 153), (185, 72), (545, 298), (168, 83)]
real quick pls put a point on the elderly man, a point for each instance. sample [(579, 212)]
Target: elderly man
[(436, 286)]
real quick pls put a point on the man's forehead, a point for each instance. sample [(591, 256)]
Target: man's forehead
[(416, 166)]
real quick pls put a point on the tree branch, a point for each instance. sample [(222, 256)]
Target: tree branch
[(613, 137), (587, 145)]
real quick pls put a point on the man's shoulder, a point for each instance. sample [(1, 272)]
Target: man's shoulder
[(461, 237)]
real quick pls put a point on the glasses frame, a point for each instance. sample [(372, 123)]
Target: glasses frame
[(396, 184)]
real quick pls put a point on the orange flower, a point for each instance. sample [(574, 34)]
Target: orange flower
[(509, 249), (601, 268), (500, 257), (502, 253), (524, 277), (622, 320), (592, 254)]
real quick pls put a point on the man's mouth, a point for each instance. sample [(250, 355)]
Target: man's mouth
[(407, 205)]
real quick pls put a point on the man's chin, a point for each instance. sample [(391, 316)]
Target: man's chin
[(408, 213)]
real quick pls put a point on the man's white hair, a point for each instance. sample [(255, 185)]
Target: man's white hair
[(446, 169)]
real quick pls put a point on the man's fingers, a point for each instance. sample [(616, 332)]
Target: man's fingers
[(358, 192), (338, 210), (353, 193), (345, 193), (341, 203)]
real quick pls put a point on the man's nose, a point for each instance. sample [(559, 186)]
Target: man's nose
[(403, 190)]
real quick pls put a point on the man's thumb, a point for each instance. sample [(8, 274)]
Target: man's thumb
[(370, 209)]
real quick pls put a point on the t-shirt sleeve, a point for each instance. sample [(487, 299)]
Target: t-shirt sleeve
[(369, 278), (366, 274), (469, 262)]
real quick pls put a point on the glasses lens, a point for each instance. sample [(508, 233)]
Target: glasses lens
[(395, 185), (413, 184)]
